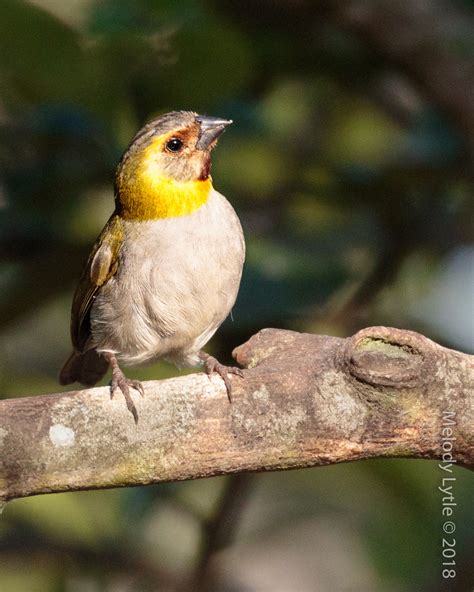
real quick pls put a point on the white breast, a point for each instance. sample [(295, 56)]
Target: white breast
[(176, 282)]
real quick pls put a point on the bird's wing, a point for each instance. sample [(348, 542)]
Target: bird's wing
[(100, 267)]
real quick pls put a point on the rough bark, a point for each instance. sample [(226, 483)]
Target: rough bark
[(306, 400)]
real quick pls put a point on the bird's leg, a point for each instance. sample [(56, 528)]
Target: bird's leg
[(120, 381), (212, 365)]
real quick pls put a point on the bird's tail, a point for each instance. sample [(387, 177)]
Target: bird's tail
[(87, 368)]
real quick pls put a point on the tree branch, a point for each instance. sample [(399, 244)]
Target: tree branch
[(306, 400)]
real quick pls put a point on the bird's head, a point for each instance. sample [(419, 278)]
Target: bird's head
[(165, 172)]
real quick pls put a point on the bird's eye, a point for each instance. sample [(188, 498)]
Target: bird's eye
[(174, 145)]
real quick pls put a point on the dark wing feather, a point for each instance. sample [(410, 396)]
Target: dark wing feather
[(100, 267)]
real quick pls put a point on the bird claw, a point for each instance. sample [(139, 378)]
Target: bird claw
[(214, 366), (120, 381), (137, 385)]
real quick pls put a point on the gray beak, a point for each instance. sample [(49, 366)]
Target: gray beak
[(211, 129)]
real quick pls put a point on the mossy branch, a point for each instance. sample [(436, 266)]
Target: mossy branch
[(306, 400)]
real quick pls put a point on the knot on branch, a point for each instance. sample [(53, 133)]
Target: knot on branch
[(267, 344), (383, 356)]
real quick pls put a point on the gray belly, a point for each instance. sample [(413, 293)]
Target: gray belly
[(176, 282)]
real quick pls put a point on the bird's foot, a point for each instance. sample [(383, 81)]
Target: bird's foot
[(120, 381), (212, 366)]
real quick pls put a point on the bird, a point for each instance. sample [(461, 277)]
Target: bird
[(166, 269)]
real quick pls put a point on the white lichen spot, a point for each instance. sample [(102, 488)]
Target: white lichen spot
[(61, 435), (341, 412), (289, 423), (261, 394), (3, 433)]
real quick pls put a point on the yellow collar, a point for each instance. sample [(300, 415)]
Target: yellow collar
[(148, 197)]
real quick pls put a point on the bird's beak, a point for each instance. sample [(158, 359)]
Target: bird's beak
[(211, 129)]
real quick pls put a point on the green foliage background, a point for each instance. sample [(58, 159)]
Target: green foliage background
[(353, 187)]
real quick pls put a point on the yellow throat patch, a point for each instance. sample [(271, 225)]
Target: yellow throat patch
[(146, 194)]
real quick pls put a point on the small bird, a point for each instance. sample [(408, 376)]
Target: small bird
[(165, 271)]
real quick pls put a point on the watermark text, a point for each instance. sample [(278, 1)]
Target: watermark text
[(448, 499)]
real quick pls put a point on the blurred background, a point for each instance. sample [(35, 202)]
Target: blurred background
[(350, 164)]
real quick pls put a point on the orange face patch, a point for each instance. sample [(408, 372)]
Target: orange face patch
[(145, 192)]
